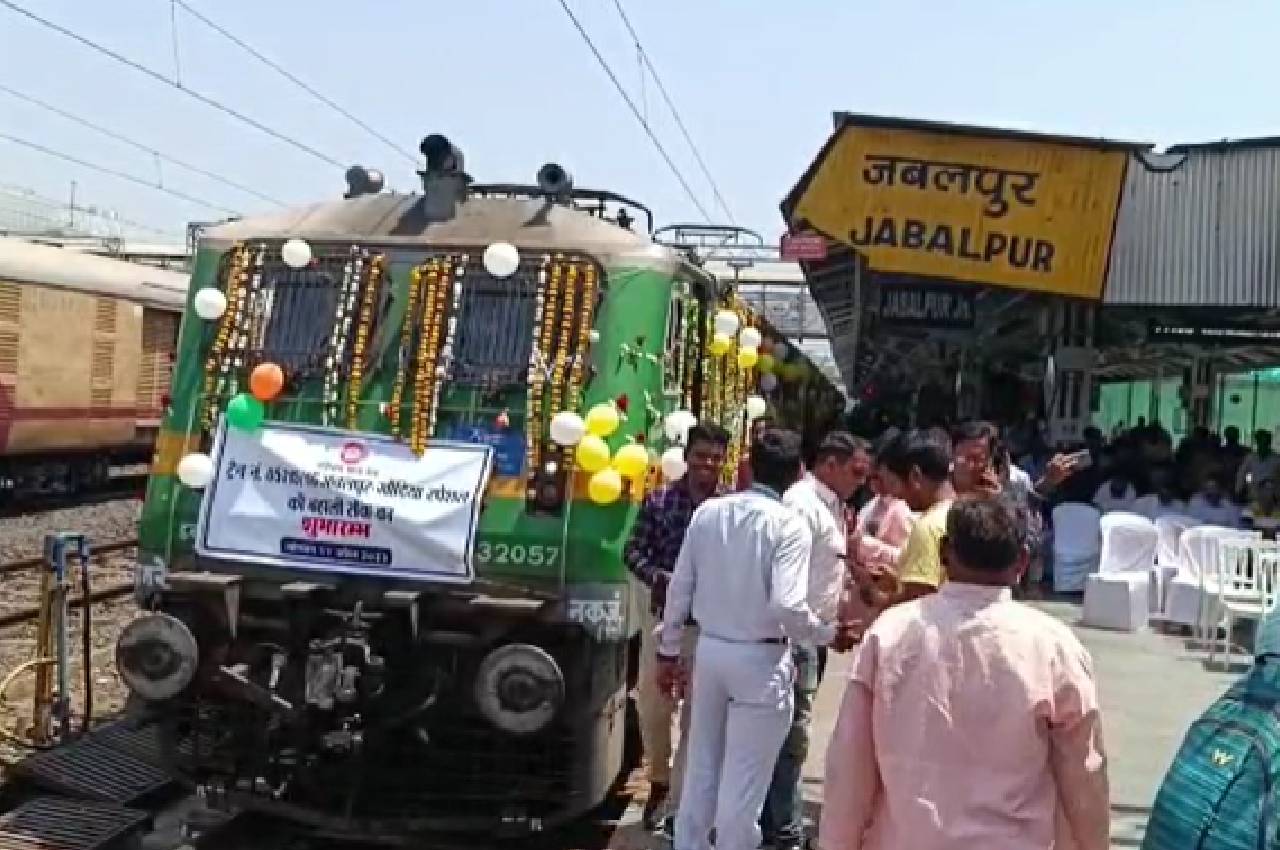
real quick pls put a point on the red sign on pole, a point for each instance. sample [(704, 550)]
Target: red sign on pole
[(804, 246)]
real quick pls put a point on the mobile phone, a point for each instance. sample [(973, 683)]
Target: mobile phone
[(1082, 459)]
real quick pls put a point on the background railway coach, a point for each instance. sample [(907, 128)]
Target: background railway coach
[(86, 350)]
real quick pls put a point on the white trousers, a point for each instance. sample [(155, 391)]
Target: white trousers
[(741, 710)]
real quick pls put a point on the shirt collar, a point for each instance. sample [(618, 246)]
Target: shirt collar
[(765, 490), (824, 492), (975, 594), (682, 484)]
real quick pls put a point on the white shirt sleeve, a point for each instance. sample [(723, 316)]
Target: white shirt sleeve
[(789, 586), (679, 602)]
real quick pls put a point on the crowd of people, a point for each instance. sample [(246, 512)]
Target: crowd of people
[(1213, 479), (969, 719)]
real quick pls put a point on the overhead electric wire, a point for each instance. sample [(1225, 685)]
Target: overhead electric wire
[(275, 66), (84, 122), (36, 146), (157, 76), (630, 105), (675, 113)]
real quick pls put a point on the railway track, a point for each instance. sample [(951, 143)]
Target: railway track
[(116, 589)]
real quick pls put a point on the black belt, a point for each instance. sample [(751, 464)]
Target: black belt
[(772, 641)]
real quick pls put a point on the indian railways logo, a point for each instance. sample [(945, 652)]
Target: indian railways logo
[(353, 453)]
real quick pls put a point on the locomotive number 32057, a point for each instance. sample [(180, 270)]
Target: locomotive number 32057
[(516, 554)]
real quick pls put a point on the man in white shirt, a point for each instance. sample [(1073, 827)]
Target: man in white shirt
[(743, 573), (840, 466), (1262, 464), (1212, 507)]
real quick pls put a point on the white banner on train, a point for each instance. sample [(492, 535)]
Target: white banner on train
[(316, 499)]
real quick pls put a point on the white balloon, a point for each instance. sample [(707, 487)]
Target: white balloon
[(296, 254), (567, 428), (677, 425), (501, 259), (750, 338), (673, 465), (209, 303), (756, 407), (195, 470), (768, 382), (726, 322)]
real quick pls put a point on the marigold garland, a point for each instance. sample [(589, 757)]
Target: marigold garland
[(370, 286), (540, 357), (404, 355), (559, 360), (237, 276), (424, 362), (586, 318), (344, 311)]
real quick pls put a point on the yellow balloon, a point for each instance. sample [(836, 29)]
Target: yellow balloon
[(631, 461), (747, 357), (602, 420), (765, 364), (605, 486), (592, 453), (720, 344)]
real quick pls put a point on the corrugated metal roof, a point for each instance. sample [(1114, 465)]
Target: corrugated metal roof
[(1199, 227)]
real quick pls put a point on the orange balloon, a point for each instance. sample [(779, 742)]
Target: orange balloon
[(266, 381)]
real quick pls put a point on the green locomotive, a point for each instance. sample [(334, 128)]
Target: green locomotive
[(380, 555)]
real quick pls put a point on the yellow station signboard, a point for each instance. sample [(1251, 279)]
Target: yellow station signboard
[(1002, 210)]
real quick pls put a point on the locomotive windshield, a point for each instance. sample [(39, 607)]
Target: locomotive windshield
[(495, 327)]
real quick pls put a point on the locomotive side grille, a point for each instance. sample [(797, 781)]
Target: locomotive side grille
[(10, 303), (102, 367), (100, 372), (155, 372), (104, 316), (10, 318), (8, 351)]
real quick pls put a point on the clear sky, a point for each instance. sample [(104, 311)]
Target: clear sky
[(513, 84)]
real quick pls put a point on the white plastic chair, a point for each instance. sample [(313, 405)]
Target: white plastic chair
[(1119, 595), (1247, 589), (1169, 530), (1194, 587), (1077, 545)]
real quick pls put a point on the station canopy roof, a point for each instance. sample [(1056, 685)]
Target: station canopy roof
[(959, 232)]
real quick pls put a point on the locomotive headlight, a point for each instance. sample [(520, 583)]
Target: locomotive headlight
[(519, 688), (157, 655)]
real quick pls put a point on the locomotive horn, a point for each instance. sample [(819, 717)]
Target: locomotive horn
[(363, 181), (441, 154), (554, 180)]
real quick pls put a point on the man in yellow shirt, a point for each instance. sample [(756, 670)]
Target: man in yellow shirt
[(918, 465)]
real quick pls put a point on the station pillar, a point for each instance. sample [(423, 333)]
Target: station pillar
[(1068, 382), (1200, 380)]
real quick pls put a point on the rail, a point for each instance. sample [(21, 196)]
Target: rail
[(38, 562), (106, 594)]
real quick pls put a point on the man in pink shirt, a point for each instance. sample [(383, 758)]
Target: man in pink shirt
[(971, 721)]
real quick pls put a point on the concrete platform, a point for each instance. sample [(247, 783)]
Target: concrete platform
[(1152, 687)]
